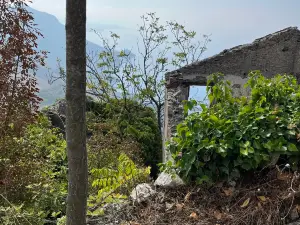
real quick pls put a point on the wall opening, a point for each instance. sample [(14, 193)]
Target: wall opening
[(199, 94)]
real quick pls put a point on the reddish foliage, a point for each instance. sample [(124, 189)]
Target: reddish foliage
[(19, 60)]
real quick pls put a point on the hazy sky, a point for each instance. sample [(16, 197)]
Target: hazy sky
[(230, 22)]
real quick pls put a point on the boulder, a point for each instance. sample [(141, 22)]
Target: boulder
[(166, 180), (142, 192), (57, 114)]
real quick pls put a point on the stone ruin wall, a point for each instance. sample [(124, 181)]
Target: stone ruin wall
[(275, 53)]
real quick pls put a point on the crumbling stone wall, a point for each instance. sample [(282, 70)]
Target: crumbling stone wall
[(275, 53)]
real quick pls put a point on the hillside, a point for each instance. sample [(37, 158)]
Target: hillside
[(53, 42)]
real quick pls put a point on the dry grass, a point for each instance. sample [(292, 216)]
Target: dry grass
[(268, 199)]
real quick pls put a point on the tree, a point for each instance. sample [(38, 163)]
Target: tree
[(76, 108), (121, 74), (19, 60)]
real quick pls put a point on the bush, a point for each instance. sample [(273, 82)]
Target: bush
[(239, 134), (115, 182), (115, 165), (131, 121), (33, 174), (106, 145), (33, 170)]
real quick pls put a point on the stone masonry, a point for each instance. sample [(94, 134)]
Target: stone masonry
[(276, 53)]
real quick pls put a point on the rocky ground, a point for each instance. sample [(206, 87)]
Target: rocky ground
[(271, 197)]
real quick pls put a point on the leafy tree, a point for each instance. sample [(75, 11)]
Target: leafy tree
[(119, 74), (19, 59), (123, 75), (76, 109), (239, 134), (118, 78)]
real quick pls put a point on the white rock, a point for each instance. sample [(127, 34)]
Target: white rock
[(142, 192), (113, 207), (166, 180), (169, 205)]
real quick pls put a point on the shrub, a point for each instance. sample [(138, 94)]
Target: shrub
[(33, 170), (33, 173), (115, 165), (238, 134), (115, 182), (62, 221), (106, 145), (131, 121)]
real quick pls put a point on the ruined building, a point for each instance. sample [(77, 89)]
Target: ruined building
[(275, 53)]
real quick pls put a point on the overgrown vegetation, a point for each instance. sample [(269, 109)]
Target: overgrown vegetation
[(231, 139), (115, 182), (122, 75), (33, 175), (125, 143), (134, 130), (34, 171), (239, 134)]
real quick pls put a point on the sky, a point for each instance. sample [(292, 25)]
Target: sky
[(229, 22)]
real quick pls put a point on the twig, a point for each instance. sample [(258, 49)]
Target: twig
[(291, 194)]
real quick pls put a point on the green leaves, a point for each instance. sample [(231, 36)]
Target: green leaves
[(189, 105), (110, 181), (186, 48), (214, 118), (292, 147), (38, 160), (236, 134)]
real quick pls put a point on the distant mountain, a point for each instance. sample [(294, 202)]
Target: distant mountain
[(53, 42)]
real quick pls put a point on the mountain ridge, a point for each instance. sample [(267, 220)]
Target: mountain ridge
[(53, 41)]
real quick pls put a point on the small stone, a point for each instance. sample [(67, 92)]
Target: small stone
[(166, 180), (169, 205), (142, 192), (232, 183)]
